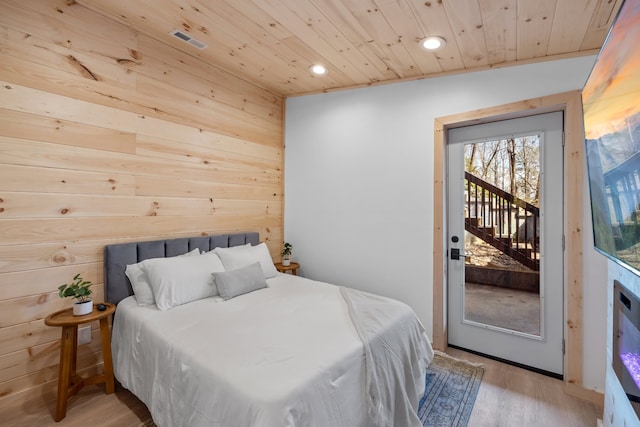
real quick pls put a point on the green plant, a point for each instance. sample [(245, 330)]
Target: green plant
[(286, 249), (78, 289)]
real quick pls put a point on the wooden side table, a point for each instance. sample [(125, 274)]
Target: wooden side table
[(292, 268), (69, 382)]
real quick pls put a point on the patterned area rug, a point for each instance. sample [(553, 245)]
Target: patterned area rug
[(452, 387)]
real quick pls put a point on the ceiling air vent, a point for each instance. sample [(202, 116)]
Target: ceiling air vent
[(187, 38)]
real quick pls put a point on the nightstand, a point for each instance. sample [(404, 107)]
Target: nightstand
[(69, 382), (293, 268)]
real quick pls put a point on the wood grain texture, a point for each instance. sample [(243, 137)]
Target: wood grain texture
[(500, 26), (440, 298), (565, 38), (108, 136), (23, 309), (65, 181), (362, 42), (18, 125), (534, 27)]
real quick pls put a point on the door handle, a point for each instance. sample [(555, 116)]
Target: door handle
[(456, 255)]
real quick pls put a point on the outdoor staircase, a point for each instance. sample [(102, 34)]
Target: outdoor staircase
[(503, 220)]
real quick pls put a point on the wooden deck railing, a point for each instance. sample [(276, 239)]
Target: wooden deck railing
[(504, 221)]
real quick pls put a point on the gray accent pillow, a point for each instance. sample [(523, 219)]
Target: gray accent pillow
[(240, 256), (239, 281)]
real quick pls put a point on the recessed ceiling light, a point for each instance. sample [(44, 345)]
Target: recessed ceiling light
[(433, 42), (318, 69)]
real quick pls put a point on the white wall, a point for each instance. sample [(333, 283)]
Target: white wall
[(359, 182)]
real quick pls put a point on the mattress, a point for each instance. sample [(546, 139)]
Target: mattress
[(297, 353)]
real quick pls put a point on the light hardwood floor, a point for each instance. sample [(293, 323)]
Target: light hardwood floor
[(508, 397), (511, 396)]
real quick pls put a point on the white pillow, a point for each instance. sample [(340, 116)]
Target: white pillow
[(241, 256), (139, 282), (232, 248), (240, 281), (179, 280)]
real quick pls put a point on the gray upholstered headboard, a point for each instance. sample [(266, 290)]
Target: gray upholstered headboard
[(116, 257)]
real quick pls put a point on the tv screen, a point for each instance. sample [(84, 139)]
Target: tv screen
[(611, 106)]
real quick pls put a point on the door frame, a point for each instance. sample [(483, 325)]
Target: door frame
[(571, 104)]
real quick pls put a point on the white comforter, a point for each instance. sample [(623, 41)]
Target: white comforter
[(288, 355)]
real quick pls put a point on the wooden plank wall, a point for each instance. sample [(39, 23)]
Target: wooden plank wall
[(109, 136)]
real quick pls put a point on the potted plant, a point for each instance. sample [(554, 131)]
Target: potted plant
[(286, 254), (79, 290)]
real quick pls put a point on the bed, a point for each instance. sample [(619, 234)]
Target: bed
[(287, 352)]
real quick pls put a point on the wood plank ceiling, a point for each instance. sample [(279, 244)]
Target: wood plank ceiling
[(272, 43)]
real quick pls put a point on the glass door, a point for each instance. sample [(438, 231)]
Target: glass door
[(505, 269)]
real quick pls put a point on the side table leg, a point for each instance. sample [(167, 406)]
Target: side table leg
[(74, 356), (67, 346), (105, 334)]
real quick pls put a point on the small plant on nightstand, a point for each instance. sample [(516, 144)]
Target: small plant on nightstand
[(79, 290), (286, 254)]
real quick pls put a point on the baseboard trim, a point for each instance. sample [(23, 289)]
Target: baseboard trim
[(592, 396)]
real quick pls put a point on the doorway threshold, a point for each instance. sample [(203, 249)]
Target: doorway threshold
[(509, 362)]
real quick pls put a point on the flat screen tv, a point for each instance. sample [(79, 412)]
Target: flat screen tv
[(611, 106)]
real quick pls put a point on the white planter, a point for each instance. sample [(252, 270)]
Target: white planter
[(286, 262), (82, 308)]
